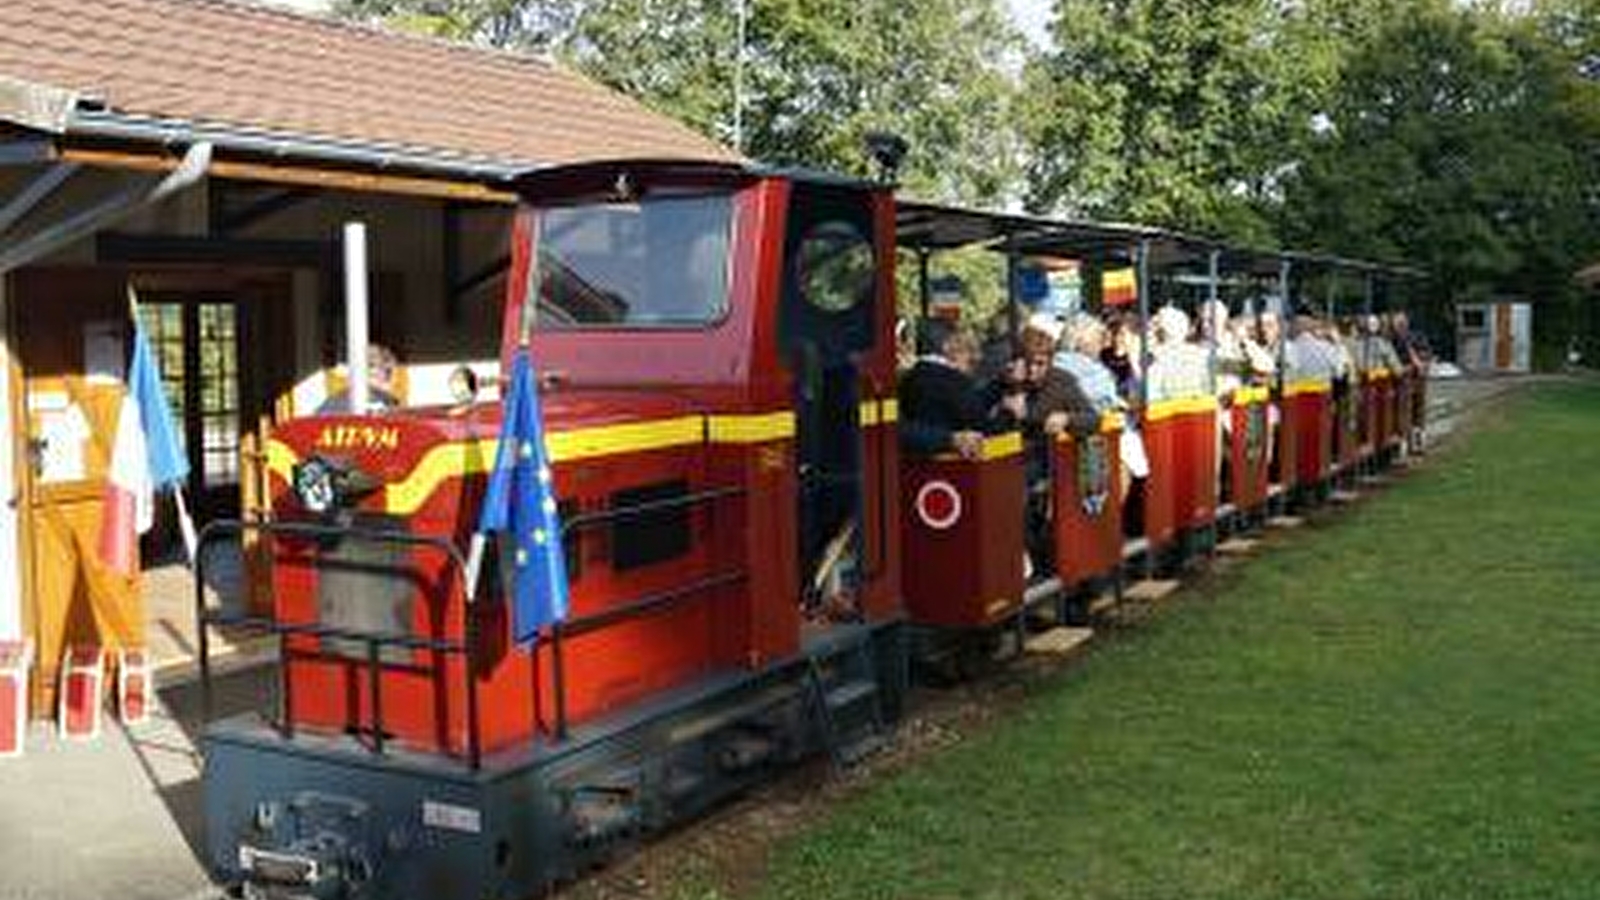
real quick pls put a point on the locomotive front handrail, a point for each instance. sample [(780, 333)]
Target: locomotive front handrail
[(374, 642), (204, 617), (648, 603), (584, 521), (263, 623)]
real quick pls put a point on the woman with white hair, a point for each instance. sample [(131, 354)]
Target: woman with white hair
[(1374, 352), (1085, 340), (1238, 359), (1178, 368)]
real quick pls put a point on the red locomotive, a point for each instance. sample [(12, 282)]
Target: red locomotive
[(716, 349), (717, 354)]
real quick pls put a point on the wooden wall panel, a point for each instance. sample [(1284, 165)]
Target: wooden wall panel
[(73, 597)]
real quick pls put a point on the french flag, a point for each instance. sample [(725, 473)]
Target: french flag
[(145, 457)]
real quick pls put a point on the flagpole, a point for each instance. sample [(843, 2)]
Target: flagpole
[(191, 540), (480, 541), (743, 13), (186, 529), (474, 566)]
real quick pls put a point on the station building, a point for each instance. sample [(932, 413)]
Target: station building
[(205, 154)]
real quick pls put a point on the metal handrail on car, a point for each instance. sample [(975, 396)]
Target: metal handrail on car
[(635, 607), (374, 641)]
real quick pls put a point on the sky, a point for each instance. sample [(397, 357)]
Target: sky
[(1032, 16)]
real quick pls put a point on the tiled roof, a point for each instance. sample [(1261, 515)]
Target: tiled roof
[(234, 64)]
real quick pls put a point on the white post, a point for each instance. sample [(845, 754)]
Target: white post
[(355, 314), (742, 12)]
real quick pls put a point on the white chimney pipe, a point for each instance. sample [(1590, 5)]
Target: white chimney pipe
[(355, 314)]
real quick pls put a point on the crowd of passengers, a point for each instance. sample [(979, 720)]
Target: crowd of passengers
[(1065, 375)]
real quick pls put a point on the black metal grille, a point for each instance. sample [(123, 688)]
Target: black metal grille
[(367, 587)]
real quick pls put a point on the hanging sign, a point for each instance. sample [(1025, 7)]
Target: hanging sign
[(104, 356)]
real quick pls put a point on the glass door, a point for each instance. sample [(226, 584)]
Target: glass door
[(196, 342)]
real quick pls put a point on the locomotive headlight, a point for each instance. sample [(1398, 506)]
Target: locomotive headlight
[(325, 486), (315, 484)]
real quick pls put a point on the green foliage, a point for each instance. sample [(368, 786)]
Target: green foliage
[(1460, 137), (822, 73), (1463, 137), (819, 74), (501, 23), (1173, 112)]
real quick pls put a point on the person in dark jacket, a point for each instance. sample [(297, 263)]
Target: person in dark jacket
[(1056, 402), (942, 409)]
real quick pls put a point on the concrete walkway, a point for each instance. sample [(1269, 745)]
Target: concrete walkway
[(118, 817)]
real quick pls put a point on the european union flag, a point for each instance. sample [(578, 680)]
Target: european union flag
[(521, 505)]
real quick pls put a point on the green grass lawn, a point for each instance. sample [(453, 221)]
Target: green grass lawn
[(1403, 703)]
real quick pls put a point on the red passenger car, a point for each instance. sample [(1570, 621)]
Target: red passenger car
[(1309, 417), (1249, 451), (1087, 499), (963, 528)]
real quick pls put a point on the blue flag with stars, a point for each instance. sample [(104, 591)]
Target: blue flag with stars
[(521, 505)]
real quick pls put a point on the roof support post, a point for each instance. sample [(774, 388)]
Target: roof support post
[(1013, 294), (1283, 317), (34, 193), (355, 312), (1092, 277), (106, 213), (1213, 272), (1142, 287), (924, 287)]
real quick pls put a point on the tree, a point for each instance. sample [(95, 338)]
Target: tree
[(1174, 112), (536, 25), (819, 74), (1463, 139)]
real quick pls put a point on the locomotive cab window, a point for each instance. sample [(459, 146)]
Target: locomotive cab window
[(662, 261), (835, 266)]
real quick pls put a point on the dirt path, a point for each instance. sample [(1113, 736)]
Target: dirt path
[(726, 853)]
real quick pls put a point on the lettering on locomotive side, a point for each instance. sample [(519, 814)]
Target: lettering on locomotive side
[(358, 437), (773, 459)]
